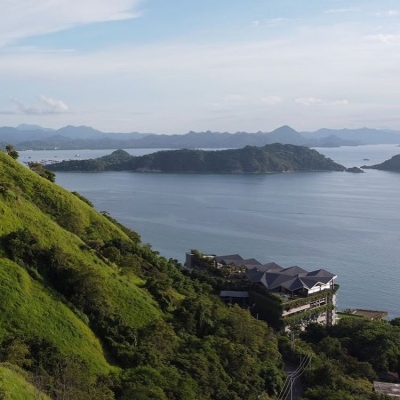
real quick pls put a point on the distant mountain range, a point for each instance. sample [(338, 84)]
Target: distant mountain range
[(34, 137)]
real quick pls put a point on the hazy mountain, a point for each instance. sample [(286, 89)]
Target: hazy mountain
[(86, 132), (14, 136), (286, 135), (361, 136), (331, 141), (28, 127), (34, 137)]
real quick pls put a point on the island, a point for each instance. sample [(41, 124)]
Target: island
[(271, 158), (389, 165), (355, 170)]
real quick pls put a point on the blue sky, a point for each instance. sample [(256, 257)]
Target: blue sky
[(170, 66)]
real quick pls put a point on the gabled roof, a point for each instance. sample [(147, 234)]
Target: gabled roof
[(293, 271), (274, 277), (251, 261), (293, 284), (254, 275), (270, 267), (321, 273), (231, 257)]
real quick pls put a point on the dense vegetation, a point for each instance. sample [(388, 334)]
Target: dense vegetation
[(271, 158), (89, 312), (392, 164)]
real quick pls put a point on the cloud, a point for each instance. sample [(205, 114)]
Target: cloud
[(276, 21), (48, 106), (176, 80), (234, 98), (255, 23), (384, 38), (54, 105), (311, 101), (25, 18), (341, 10), (271, 100), (389, 13)]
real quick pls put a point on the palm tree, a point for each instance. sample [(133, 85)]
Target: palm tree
[(12, 152)]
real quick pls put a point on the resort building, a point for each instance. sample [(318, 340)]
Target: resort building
[(300, 296)]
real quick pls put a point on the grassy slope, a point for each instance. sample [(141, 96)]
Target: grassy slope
[(14, 386), (25, 305), (35, 204)]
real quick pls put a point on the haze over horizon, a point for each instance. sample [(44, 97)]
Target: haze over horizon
[(171, 67)]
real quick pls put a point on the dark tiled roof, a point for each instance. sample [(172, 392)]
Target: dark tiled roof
[(293, 271), (321, 273), (251, 261), (232, 257), (274, 277)]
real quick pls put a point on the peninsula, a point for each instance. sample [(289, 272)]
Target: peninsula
[(250, 159), (392, 164)]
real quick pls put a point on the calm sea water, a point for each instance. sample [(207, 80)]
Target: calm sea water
[(346, 223)]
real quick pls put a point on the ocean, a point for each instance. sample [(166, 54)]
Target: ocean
[(343, 222)]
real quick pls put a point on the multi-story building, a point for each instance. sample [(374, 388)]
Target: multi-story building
[(300, 296)]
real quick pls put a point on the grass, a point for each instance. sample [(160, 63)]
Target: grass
[(14, 386), (28, 306)]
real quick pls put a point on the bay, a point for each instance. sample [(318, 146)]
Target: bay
[(343, 222)]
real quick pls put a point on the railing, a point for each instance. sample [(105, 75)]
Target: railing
[(291, 378)]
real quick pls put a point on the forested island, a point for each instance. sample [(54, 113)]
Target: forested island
[(89, 312), (252, 160), (392, 164)]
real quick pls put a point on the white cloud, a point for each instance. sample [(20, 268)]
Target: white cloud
[(54, 105), (25, 18), (175, 82), (311, 101), (255, 23), (389, 13), (48, 106), (271, 100), (276, 21), (234, 98), (384, 38)]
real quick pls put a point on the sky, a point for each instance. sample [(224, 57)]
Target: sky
[(172, 66)]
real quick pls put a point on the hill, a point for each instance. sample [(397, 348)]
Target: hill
[(389, 165), (89, 312), (270, 158)]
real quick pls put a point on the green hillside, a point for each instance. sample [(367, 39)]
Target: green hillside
[(252, 160), (14, 385), (82, 301), (88, 312)]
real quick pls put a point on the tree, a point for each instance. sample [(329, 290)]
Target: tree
[(44, 173), (12, 152)]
